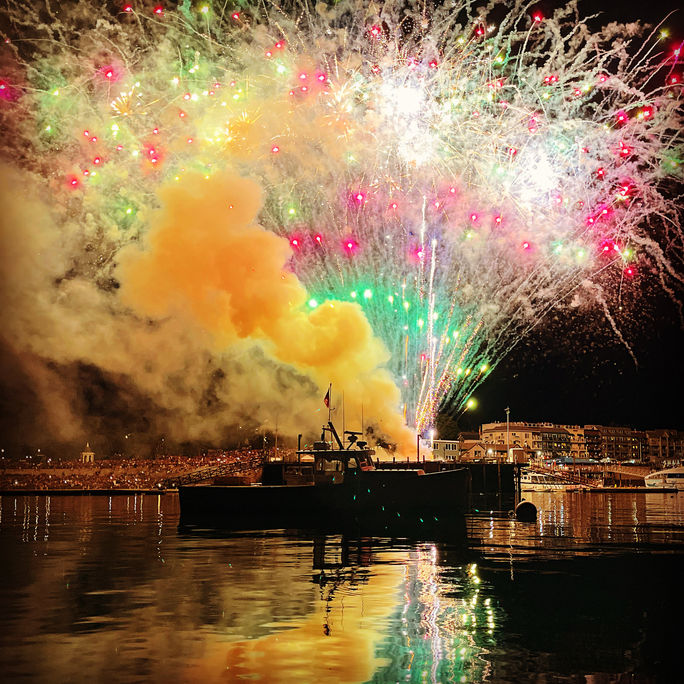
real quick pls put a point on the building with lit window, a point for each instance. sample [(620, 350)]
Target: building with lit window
[(446, 449), (547, 440), (541, 439), (469, 450), (664, 447), (618, 443)]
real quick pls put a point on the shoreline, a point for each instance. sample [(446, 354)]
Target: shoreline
[(636, 490), (157, 492), (83, 492)]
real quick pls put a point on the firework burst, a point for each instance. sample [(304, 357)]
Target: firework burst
[(456, 171)]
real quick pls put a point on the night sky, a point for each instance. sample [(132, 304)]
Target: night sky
[(566, 373)]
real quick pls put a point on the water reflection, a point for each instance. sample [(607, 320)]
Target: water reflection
[(583, 523), (382, 611), (109, 588), (444, 625)]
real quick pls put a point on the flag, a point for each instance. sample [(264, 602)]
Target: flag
[(326, 398)]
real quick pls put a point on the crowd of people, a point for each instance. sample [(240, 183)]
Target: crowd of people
[(119, 473)]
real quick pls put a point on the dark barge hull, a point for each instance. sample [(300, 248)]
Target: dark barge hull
[(365, 494)]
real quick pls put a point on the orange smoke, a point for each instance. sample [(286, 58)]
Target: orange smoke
[(207, 260)]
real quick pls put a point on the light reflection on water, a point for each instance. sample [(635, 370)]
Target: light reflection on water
[(585, 523), (110, 589)]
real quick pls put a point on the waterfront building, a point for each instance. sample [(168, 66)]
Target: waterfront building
[(619, 443), (554, 440), (578, 447), (513, 434), (599, 442), (451, 449), (665, 448), (474, 450), (543, 439), (592, 442), (446, 449), (462, 450)]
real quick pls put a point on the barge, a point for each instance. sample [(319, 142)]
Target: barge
[(331, 481)]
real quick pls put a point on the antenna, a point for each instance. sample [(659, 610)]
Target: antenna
[(343, 426), (335, 435)]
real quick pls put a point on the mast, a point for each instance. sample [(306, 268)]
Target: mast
[(329, 400)]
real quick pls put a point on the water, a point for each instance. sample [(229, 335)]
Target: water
[(110, 589)]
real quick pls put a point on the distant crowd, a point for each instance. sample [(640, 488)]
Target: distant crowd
[(121, 473)]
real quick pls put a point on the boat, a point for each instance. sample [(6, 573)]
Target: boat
[(531, 481), (333, 480), (670, 478)]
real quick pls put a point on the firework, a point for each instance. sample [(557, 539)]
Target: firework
[(454, 171)]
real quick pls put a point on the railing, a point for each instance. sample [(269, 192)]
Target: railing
[(210, 472), (568, 476), (637, 471), (604, 469)]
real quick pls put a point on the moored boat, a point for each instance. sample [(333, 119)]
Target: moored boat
[(531, 481), (670, 478), (331, 480)]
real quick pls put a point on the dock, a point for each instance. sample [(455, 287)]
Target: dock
[(79, 492), (632, 490)]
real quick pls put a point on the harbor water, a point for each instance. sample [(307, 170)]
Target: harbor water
[(112, 589)]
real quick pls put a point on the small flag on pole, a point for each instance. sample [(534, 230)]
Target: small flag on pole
[(326, 398)]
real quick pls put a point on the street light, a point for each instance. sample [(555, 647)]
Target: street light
[(508, 433)]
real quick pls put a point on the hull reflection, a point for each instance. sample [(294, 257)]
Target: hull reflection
[(417, 527)]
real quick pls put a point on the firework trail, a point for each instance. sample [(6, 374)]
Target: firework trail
[(452, 171)]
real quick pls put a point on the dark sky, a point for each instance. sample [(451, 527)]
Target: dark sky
[(571, 372), (627, 10)]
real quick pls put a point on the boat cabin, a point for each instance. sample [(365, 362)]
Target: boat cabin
[(323, 464)]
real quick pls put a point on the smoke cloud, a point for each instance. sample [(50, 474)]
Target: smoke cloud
[(208, 339), (206, 261)]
